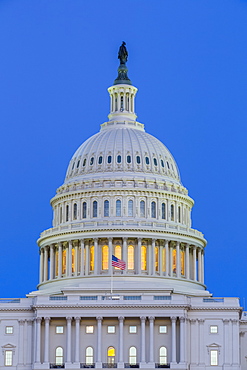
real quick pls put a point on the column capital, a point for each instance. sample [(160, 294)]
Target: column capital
[(226, 321), (151, 318), (173, 318), (201, 321), (47, 319), (143, 318), (182, 319), (30, 322), (234, 321), (99, 318), (193, 321), (77, 318), (68, 318), (95, 240), (21, 322), (121, 318), (38, 319)]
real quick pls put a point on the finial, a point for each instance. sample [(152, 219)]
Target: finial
[(122, 77)]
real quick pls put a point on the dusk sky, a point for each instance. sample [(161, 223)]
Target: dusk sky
[(188, 59)]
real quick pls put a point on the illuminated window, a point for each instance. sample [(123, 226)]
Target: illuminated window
[(95, 208), (91, 161), (147, 160), (119, 159), (56, 262), (163, 356), (172, 212), (59, 356), (130, 257), (111, 355), (163, 211), (9, 330), (143, 258), (73, 260), (111, 329), (67, 212), (106, 208), (174, 262), (130, 208), (179, 214), (132, 329), (213, 329), (59, 329), (153, 209), (91, 264), (100, 160), (214, 358), (132, 356), (156, 258), (155, 161), (118, 208), (109, 159), (138, 159), (128, 159), (84, 162), (75, 211), (163, 259), (182, 255), (142, 208), (162, 329), (89, 356), (89, 329), (118, 253), (64, 261), (105, 256), (8, 358), (84, 210)]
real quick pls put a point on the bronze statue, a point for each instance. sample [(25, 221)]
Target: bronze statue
[(123, 53)]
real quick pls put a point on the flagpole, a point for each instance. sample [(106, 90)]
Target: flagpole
[(111, 277)]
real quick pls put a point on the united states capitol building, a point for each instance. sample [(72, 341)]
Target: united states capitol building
[(123, 197)]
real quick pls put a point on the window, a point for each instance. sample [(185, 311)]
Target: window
[(128, 159), (106, 208), (89, 329), (105, 256), (130, 208), (156, 258), (111, 329), (143, 258), (9, 330), (75, 211), (132, 356), (162, 163), (118, 208), (163, 356), (8, 360), (89, 355), (100, 160), (84, 210), (67, 213), (73, 260), (179, 214), (91, 265), (162, 329), (59, 356), (172, 212), (132, 329), (119, 159), (213, 329), (155, 161), (142, 208), (163, 259), (59, 329), (118, 253), (147, 160), (182, 260), (61, 215), (138, 159), (109, 159), (111, 355), (153, 210), (64, 261), (130, 257), (168, 165), (84, 162), (163, 211), (95, 208), (214, 357), (78, 164), (91, 161), (174, 260), (121, 103)]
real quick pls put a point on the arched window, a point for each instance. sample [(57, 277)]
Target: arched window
[(147, 160), (91, 161), (67, 212), (111, 355), (138, 159), (130, 208), (84, 210), (142, 208), (100, 160), (163, 259), (91, 264), (132, 356), (174, 261), (105, 257), (56, 262), (162, 163), (144, 258), (122, 104), (130, 257), (128, 159), (172, 212), (89, 356), (75, 211), (155, 162), (118, 208), (106, 208), (163, 211), (168, 165), (84, 162), (119, 159), (182, 261), (153, 210), (73, 260), (78, 164), (163, 356), (109, 159), (95, 208), (61, 214), (179, 214), (118, 251), (64, 262), (115, 102), (59, 356), (156, 258)]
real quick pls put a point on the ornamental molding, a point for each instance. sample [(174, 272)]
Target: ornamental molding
[(111, 306)]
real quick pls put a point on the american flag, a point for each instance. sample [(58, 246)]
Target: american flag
[(116, 262)]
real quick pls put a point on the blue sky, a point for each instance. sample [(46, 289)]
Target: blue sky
[(188, 58)]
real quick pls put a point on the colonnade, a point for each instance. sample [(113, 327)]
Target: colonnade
[(151, 257)]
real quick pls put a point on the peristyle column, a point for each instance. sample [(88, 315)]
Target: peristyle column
[(99, 340), (38, 339), (174, 349), (120, 358), (77, 339), (143, 339), (47, 337), (151, 339), (68, 341)]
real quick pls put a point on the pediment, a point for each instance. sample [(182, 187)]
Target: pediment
[(8, 346)]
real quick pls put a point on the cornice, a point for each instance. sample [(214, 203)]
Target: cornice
[(111, 306)]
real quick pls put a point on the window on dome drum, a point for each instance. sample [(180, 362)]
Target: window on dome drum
[(138, 159), (147, 160), (105, 257), (59, 329), (130, 257), (143, 258), (172, 212), (163, 259), (59, 356), (111, 355), (156, 258), (174, 260), (122, 105), (128, 159), (89, 329), (163, 211), (179, 214), (132, 356), (109, 159), (100, 160), (132, 329), (162, 163), (214, 358), (155, 162), (91, 161), (84, 210), (67, 212), (89, 356), (91, 264), (84, 162), (142, 208), (8, 358), (61, 215), (182, 259), (56, 262), (9, 330), (111, 329), (64, 261), (115, 102), (127, 102), (119, 159), (118, 208), (130, 208), (118, 253), (213, 329), (168, 165), (78, 164), (75, 211), (106, 208), (73, 260), (153, 210), (162, 329), (95, 208), (163, 356)]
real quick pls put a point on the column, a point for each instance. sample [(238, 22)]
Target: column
[(194, 342), (167, 257), (203, 267), (153, 256), (60, 251), (96, 255), (187, 261), (201, 342), (139, 245), (21, 342), (199, 265), (99, 342), (171, 259), (30, 342), (46, 264), (69, 259), (87, 258), (82, 257), (182, 340), (47, 337), (226, 342), (178, 261), (120, 358), (143, 339), (151, 340), (161, 259), (76, 258), (77, 339), (235, 341), (38, 339), (174, 350), (51, 262), (41, 266), (125, 254), (110, 256), (194, 264), (68, 339)]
